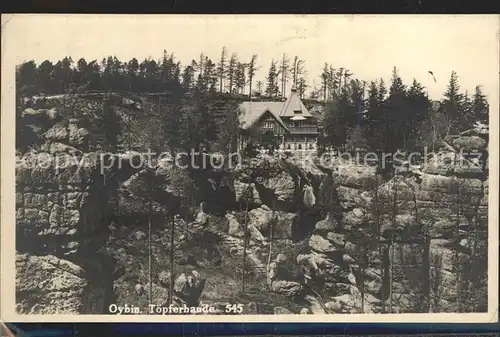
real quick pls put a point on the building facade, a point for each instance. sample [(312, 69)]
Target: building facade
[(289, 122)]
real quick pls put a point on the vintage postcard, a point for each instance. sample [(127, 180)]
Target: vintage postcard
[(270, 168)]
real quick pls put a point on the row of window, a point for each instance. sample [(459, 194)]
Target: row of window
[(301, 125), (299, 146), (270, 125)]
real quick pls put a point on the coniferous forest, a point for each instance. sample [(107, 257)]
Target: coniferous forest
[(395, 115)]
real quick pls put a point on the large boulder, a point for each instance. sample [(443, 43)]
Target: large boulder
[(234, 227), (240, 189), (282, 185), (160, 293), (470, 143), (78, 137), (188, 288), (48, 285), (332, 243), (262, 217), (287, 288), (272, 177), (355, 176), (58, 133)]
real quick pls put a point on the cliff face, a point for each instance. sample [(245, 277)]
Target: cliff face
[(60, 225), (62, 213), (358, 244), (444, 214)]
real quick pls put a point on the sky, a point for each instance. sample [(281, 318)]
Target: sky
[(369, 46)]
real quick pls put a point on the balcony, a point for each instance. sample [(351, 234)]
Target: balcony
[(301, 131)]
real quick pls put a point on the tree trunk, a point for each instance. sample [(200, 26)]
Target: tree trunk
[(459, 281), (379, 244), (245, 243), (426, 287), (186, 229), (250, 88), (426, 296), (391, 246), (150, 256), (362, 277), (172, 248), (391, 275), (271, 233)]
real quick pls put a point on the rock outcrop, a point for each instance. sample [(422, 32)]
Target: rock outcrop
[(450, 210), (60, 226), (47, 285)]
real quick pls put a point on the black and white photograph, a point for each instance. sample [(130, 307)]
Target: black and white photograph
[(249, 168)]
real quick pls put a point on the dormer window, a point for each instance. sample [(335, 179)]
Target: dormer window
[(297, 112)]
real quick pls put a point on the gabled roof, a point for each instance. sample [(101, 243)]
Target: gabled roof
[(292, 104), (250, 112)]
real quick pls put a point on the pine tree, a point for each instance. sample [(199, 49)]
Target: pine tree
[(347, 76), (285, 71), (480, 106), (26, 78), (188, 77), (252, 68), (294, 69), (373, 117), (339, 77), (300, 71), (271, 87), (45, 80), (335, 124), (231, 72), (302, 87), (418, 106), (356, 140), (260, 86), (221, 69), (240, 79), (132, 68), (453, 100), (324, 82), (397, 114), (467, 112), (332, 83), (209, 76), (174, 125)]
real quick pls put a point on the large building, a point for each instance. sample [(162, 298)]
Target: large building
[(289, 121)]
